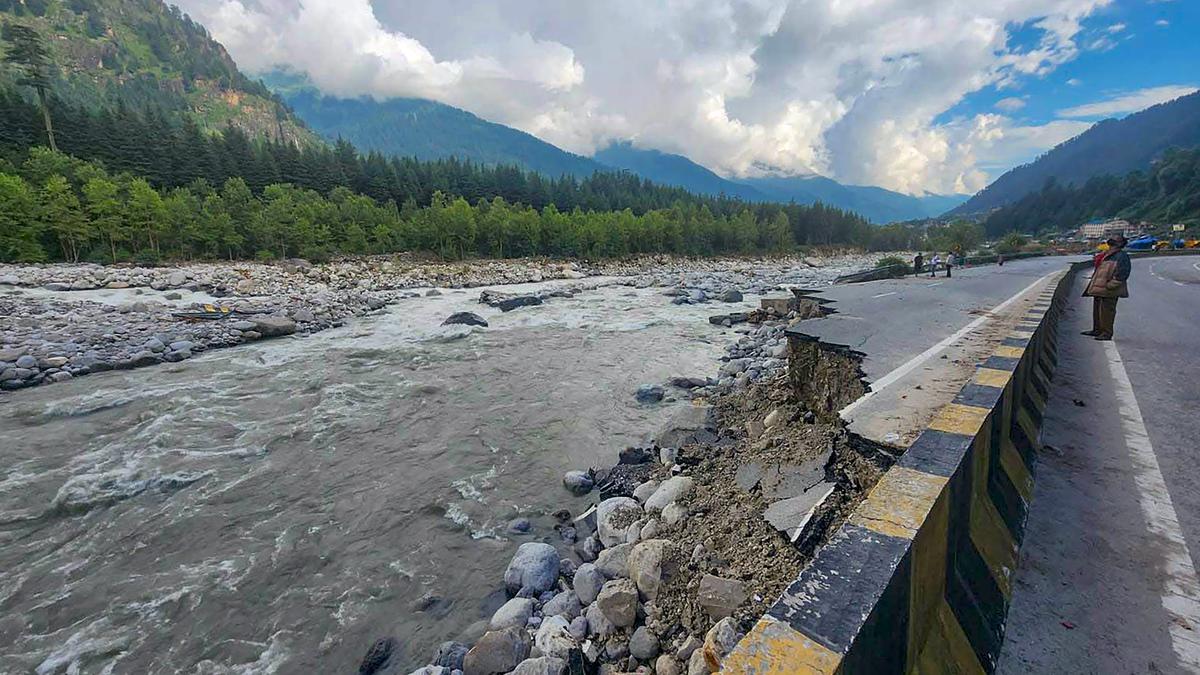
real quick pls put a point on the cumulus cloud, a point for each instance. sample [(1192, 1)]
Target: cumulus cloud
[(854, 89), (1129, 102)]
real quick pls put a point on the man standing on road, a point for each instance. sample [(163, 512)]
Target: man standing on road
[(918, 264), (950, 260), (1109, 282), (933, 265)]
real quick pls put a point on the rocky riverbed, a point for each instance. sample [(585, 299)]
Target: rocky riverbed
[(58, 322), (690, 539)]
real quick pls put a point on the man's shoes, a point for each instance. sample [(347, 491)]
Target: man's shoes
[(1090, 333), (1103, 338)]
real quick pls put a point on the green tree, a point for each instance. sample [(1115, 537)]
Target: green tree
[(62, 215), (29, 56), (19, 224), (104, 210), (144, 213)]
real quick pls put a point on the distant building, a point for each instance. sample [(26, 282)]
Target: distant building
[(1103, 229)]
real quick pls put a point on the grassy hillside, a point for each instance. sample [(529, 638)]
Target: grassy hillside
[(143, 54)]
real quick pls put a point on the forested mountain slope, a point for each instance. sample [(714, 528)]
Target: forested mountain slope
[(1169, 193), (146, 54), (1112, 147)]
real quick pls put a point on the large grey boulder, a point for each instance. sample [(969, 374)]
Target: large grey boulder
[(606, 513), (672, 489), (597, 623), (466, 319), (450, 655), (565, 604), (618, 600), (587, 582), (649, 566), (513, 614), (498, 651), (534, 566), (643, 645), (273, 326), (554, 638), (578, 482), (614, 562), (720, 596)]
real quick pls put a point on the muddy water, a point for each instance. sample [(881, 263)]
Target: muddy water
[(276, 507)]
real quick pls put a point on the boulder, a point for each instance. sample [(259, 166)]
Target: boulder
[(176, 278), (731, 295), (9, 280), (554, 637), (720, 596), (534, 567), (672, 489), (579, 628), (650, 565), (450, 655), (578, 482), (607, 513), (718, 642), (598, 624), (27, 361), (649, 393), (466, 319), (618, 600), (498, 651), (542, 665), (665, 665), (565, 604), (614, 562), (587, 583), (643, 491), (697, 665), (674, 513), (273, 326), (513, 614), (378, 658), (303, 315), (643, 645), (245, 287)]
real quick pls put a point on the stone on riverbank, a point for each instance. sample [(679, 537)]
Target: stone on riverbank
[(649, 393), (578, 482), (496, 652), (542, 665), (513, 614), (466, 319), (587, 582), (554, 638), (534, 567), (649, 566), (566, 604), (618, 600), (719, 596), (672, 489), (273, 326), (609, 513)]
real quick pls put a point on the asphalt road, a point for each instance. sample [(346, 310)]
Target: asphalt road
[(1107, 580), (895, 319)]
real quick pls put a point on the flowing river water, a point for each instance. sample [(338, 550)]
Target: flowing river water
[(278, 506)]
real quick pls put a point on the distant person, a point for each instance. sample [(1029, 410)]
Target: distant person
[(918, 263), (1109, 282), (950, 261), (1000, 260), (933, 265)]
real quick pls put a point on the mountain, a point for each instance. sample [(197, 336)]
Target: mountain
[(677, 170), (429, 130), (412, 127), (874, 203), (144, 53), (1112, 147)]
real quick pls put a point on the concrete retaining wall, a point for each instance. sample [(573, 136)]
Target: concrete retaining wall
[(918, 580)]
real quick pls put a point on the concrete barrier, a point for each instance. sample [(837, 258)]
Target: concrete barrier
[(918, 579)]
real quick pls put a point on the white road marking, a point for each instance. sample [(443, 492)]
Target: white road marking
[(884, 295), (1181, 588), (937, 284), (913, 363)]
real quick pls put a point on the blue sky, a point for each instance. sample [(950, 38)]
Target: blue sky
[(1132, 54)]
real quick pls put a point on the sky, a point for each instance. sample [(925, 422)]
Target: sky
[(918, 96)]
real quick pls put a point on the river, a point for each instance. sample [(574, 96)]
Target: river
[(278, 506)]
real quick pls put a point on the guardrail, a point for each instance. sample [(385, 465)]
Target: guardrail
[(918, 579)]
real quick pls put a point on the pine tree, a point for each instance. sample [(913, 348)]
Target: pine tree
[(29, 55), (19, 225)]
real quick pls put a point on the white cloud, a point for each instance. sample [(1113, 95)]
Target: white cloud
[(1128, 102), (1010, 104), (1162, 22), (1074, 81), (853, 89), (1116, 28)]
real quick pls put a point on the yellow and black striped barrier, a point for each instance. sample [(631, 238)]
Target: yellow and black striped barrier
[(919, 578)]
